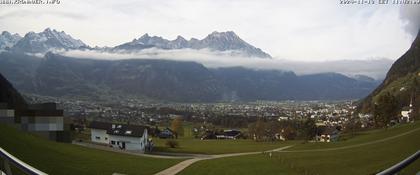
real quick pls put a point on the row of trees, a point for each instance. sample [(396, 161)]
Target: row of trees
[(264, 130)]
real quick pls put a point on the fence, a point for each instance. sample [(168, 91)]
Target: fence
[(399, 166), (10, 159)]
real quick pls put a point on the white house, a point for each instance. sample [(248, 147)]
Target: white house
[(98, 132), (283, 118), (121, 136), (328, 135), (406, 115), (229, 134)]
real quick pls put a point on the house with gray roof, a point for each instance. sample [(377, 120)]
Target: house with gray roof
[(120, 136)]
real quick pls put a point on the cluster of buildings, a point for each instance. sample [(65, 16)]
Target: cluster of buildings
[(329, 115), (406, 115)]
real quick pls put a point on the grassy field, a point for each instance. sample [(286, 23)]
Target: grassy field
[(59, 158), (188, 145), (366, 159)]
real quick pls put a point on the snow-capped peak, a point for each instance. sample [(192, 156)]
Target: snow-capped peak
[(145, 36), (180, 38), (7, 40), (47, 40), (217, 41), (228, 34)]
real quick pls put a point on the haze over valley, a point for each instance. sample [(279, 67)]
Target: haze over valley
[(220, 67), (210, 87)]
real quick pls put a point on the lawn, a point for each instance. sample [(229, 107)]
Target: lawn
[(60, 158), (366, 159)]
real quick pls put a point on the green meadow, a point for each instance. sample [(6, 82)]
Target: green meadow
[(355, 155), (63, 158)]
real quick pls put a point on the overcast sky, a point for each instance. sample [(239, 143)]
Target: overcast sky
[(307, 30)]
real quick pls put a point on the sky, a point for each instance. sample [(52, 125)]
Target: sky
[(304, 30)]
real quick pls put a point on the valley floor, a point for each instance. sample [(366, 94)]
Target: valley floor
[(364, 153)]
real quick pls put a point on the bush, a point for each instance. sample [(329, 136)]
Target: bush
[(172, 143)]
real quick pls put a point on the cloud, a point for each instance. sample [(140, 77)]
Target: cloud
[(411, 15), (374, 67)]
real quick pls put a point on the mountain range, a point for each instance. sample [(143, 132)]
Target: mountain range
[(216, 41), (184, 81), (10, 96), (46, 41), (51, 40)]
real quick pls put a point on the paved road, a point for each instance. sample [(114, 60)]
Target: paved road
[(182, 165)]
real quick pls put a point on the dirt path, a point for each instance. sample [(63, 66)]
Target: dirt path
[(182, 165)]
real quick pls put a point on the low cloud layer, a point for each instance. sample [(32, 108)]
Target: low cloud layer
[(410, 14), (375, 67)]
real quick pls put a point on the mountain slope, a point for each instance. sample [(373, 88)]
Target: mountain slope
[(10, 96), (59, 76), (216, 41), (402, 80), (20, 69), (158, 79), (248, 84)]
